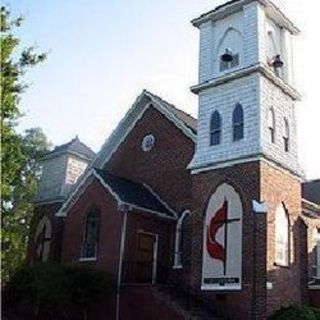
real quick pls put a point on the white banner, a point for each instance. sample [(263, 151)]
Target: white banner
[(222, 242)]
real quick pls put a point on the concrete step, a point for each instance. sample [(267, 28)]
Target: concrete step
[(184, 304)]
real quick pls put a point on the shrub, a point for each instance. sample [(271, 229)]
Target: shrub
[(40, 286), (297, 313), (87, 285), (53, 290)]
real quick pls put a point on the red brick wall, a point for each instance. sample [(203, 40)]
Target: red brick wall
[(109, 244), (314, 298), (110, 228), (250, 300), (280, 187), (164, 167)]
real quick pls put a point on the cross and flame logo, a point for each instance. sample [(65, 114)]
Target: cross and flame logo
[(219, 220)]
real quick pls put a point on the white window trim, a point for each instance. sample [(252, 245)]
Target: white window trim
[(176, 264), (285, 262), (155, 254), (272, 125), (316, 266), (88, 259)]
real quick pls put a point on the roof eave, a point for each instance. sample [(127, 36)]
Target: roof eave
[(272, 10), (311, 206)]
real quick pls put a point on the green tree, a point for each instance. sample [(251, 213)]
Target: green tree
[(20, 153)]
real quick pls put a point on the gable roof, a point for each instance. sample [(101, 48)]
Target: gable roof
[(135, 194), (75, 146), (183, 121), (186, 118), (125, 192), (311, 191)]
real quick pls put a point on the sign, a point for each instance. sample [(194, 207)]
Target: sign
[(222, 245)]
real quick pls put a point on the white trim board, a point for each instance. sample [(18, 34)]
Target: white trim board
[(160, 200), (232, 162)]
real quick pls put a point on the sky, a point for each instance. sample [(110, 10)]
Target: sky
[(103, 53)]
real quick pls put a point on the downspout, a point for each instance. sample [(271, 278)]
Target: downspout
[(258, 208), (123, 209)]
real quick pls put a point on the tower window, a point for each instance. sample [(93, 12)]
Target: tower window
[(282, 236), (271, 124), (286, 135), (91, 234), (215, 129), (237, 123)]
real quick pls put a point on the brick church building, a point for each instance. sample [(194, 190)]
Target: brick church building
[(213, 211)]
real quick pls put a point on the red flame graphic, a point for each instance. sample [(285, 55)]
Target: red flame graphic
[(214, 248)]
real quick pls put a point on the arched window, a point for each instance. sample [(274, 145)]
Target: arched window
[(273, 46), (178, 254), (42, 239), (286, 135), (91, 234), (237, 122), (316, 257), (282, 236), (215, 129), (230, 42), (272, 125)]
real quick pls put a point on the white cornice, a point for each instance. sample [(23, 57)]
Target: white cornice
[(232, 162), (47, 202), (223, 164), (262, 68), (223, 11)]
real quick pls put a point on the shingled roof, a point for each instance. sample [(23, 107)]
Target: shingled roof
[(135, 194), (75, 146), (217, 8), (186, 118), (311, 191)]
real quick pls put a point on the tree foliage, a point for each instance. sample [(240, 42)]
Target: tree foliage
[(20, 153), (297, 312)]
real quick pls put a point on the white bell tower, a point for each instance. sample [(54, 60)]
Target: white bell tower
[(246, 87)]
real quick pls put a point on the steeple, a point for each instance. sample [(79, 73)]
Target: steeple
[(246, 86)]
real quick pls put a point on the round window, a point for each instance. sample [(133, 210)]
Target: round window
[(148, 142)]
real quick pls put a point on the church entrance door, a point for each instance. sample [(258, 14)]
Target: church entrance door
[(146, 257)]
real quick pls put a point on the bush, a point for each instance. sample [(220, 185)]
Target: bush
[(297, 313), (39, 286), (87, 286), (53, 291)]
